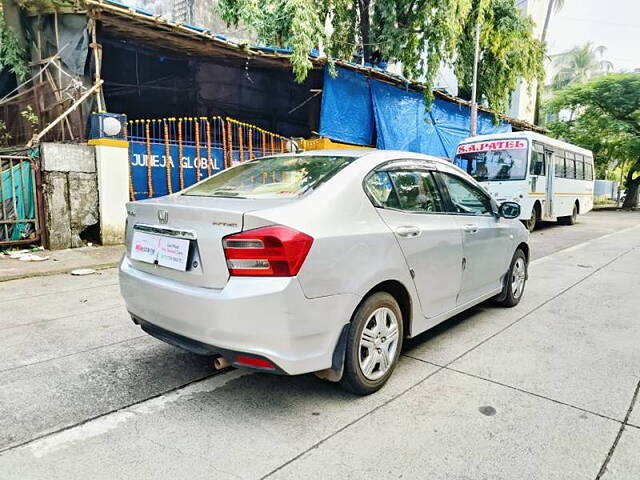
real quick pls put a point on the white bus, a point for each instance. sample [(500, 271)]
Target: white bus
[(550, 179)]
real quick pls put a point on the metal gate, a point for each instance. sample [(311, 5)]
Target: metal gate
[(204, 145), (21, 201)]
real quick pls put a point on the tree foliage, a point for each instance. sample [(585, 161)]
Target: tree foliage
[(12, 54), (607, 122), (421, 35), (509, 51), (580, 64)]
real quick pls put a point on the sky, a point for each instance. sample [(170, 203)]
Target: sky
[(612, 23)]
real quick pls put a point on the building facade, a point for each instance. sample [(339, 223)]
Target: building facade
[(523, 101)]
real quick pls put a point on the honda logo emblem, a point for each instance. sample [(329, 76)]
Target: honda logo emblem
[(163, 216)]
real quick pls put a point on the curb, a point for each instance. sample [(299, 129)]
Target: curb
[(59, 271), (606, 207)]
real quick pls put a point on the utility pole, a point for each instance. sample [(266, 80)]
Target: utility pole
[(473, 124)]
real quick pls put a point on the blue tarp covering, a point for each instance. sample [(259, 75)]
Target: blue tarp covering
[(402, 121), (346, 113), (352, 106), (404, 124)]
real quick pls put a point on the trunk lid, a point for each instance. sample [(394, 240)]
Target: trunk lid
[(203, 222)]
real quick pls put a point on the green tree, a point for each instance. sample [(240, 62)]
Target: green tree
[(580, 64), (12, 55), (608, 123), (419, 34), (508, 51)]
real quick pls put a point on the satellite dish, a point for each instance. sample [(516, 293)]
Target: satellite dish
[(111, 126)]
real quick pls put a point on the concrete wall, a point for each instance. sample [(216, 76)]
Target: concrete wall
[(605, 189), (112, 165), (70, 192)]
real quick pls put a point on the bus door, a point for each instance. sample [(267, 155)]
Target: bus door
[(550, 185), (538, 177)]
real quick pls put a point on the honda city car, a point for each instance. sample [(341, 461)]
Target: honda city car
[(322, 261)]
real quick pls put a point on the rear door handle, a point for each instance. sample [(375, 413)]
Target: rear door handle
[(471, 228), (408, 231)]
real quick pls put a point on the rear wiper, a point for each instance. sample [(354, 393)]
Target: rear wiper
[(222, 193)]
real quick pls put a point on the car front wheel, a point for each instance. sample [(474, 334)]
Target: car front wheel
[(514, 281), (373, 344)]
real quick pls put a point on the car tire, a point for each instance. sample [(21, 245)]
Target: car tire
[(534, 220), (514, 281), (371, 356), (570, 219)]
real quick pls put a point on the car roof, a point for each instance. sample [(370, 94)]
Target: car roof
[(342, 152), (368, 152)]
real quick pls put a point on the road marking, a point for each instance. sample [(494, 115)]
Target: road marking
[(581, 245), (101, 424)]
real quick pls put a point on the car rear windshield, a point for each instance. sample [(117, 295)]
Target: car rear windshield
[(273, 177)]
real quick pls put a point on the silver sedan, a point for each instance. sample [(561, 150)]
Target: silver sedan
[(320, 262)]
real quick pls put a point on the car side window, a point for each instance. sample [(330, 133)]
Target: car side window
[(380, 187), (410, 190), (466, 199), (417, 191)]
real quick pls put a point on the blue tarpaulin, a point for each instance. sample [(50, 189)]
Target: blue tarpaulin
[(404, 124), (402, 121), (352, 106), (346, 113)]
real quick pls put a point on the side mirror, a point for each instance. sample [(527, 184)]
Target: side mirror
[(509, 210)]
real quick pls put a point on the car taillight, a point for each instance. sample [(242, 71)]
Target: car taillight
[(266, 252)]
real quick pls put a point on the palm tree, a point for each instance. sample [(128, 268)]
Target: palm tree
[(580, 64), (552, 6)]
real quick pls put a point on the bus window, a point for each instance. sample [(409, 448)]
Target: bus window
[(579, 167), (569, 165), (537, 163), (494, 160), (558, 160), (537, 166), (588, 169)]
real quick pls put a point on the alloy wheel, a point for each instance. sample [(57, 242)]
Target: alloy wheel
[(518, 277), (378, 343)]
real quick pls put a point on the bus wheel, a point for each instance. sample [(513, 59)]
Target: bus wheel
[(535, 218), (571, 219)]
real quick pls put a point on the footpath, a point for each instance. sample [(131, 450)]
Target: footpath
[(59, 261)]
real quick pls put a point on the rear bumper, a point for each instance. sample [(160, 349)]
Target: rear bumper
[(265, 317)]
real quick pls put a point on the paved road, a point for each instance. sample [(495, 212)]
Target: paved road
[(544, 390)]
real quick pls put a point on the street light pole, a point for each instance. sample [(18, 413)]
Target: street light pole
[(473, 124)]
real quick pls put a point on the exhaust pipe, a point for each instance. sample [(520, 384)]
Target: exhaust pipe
[(220, 362)]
